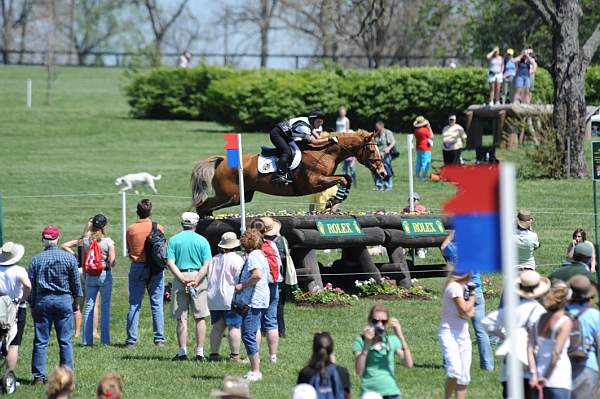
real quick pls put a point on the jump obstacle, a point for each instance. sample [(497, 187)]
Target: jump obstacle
[(352, 234)]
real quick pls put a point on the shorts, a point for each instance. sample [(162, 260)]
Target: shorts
[(456, 348), (21, 317), (268, 321), (231, 318), (522, 82), (494, 77), (181, 301)]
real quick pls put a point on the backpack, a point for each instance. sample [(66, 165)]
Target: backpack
[(578, 349), (155, 249), (329, 388), (92, 264), (272, 259), (8, 313)]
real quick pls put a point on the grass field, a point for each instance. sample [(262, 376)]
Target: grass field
[(58, 163)]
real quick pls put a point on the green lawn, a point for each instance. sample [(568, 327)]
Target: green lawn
[(52, 155)]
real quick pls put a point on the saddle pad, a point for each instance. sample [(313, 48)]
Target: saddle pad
[(269, 164)]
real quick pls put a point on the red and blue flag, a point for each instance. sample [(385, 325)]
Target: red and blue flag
[(231, 145), (475, 211)]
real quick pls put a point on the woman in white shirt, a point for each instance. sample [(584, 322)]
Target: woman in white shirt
[(342, 125), (458, 307), (222, 276), (549, 363), (15, 283)]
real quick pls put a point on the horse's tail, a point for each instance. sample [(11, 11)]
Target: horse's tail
[(202, 175)]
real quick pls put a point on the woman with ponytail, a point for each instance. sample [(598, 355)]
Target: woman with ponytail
[(328, 379)]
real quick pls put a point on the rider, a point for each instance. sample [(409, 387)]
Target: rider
[(296, 129)]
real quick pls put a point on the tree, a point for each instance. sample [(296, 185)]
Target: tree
[(14, 15), (258, 14), (571, 58), (161, 23), (95, 22), (314, 18)]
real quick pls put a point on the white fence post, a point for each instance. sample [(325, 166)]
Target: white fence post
[(124, 222), (28, 93)]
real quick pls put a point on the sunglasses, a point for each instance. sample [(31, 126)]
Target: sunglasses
[(375, 321)]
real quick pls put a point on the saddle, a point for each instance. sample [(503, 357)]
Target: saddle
[(267, 159)]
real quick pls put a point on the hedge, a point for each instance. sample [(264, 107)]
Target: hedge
[(254, 100), (172, 93)]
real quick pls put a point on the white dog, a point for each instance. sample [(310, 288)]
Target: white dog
[(134, 180)]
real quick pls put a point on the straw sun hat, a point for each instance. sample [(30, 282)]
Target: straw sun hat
[(229, 241), (420, 121), (524, 219), (11, 253), (530, 285), (272, 226)]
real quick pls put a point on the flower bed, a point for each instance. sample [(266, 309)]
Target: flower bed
[(324, 297), (387, 289)]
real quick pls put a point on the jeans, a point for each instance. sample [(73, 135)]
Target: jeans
[(557, 393), (486, 357), (387, 183), (140, 279), (451, 157), (423, 163), (349, 169), (250, 325), (94, 284), (49, 310), (585, 382), (268, 320), (280, 310)]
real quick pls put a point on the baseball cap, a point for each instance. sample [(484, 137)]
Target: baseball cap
[(189, 218), (50, 233), (584, 249), (510, 51), (99, 221)]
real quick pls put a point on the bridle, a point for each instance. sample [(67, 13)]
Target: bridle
[(372, 159)]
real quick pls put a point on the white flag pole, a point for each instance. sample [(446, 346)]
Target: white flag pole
[(241, 184), (124, 222), (411, 189), (509, 261)]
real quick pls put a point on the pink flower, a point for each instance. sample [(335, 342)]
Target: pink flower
[(328, 286)]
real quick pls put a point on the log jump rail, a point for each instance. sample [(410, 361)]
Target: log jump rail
[(352, 234)]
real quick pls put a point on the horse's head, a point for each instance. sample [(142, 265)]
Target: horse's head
[(368, 153)]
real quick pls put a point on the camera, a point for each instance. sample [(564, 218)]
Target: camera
[(469, 290), (379, 330)]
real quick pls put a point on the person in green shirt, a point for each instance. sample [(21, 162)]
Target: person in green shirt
[(375, 351), (582, 252)]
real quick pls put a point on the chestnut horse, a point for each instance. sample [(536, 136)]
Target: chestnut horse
[(313, 175)]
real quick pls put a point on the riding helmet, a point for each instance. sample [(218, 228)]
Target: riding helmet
[(99, 221), (315, 114)]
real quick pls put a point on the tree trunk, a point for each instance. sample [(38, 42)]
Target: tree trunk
[(264, 32), (569, 89), (156, 57), (23, 43), (81, 56)]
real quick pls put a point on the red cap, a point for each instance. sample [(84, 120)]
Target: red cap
[(50, 233)]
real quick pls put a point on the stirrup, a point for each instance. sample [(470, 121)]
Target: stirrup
[(281, 179)]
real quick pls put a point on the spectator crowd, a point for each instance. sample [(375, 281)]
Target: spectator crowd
[(242, 289)]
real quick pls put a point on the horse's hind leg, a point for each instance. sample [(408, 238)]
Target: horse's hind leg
[(212, 204)]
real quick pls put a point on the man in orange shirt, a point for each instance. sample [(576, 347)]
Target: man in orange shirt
[(140, 278)]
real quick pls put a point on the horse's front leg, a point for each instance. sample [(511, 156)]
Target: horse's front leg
[(344, 183)]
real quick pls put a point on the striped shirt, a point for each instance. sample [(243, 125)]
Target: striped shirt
[(53, 271)]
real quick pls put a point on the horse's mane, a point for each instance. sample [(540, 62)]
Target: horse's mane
[(360, 133)]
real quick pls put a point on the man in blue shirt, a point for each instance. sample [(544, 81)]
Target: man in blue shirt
[(486, 357), (585, 373), (188, 254), (54, 284)]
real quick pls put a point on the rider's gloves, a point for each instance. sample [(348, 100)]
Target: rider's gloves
[(333, 140)]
